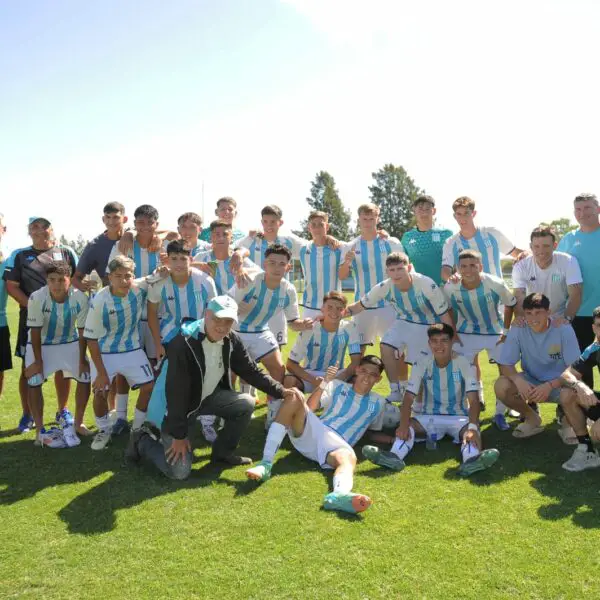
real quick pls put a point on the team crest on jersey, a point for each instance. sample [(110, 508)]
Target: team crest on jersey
[(487, 243), (556, 277), (456, 375), (171, 298), (383, 244), (420, 299), (281, 302), (554, 352), (490, 298), (435, 237), (372, 406)]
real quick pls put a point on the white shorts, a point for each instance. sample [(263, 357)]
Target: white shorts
[(59, 357), (147, 340), (443, 425), (318, 440), (258, 345), (278, 326), (134, 366), (374, 323), (408, 338), (474, 343), (311, 313)]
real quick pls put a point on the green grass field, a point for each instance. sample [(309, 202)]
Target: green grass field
[(77, 524)]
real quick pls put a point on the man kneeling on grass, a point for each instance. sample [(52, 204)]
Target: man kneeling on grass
[(450, 407), (349, 410)]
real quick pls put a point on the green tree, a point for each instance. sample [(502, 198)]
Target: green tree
[(324, 197), (561, 226), (394, 192), (78, 245)]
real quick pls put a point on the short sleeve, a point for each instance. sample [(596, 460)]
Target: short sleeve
[(570, 349), (155, 292), (292, 313), (506, 295), (86, 264), (586, 361), (435, 295), (238, 293), (245, 242), (328, 392), (573, 271), (210, 287), (395, 245), (416, 378), (297, 244), (519, 276), (504, 244), (373, 296), (377, 423), (447, 254), (469, 374), (84, 306), (298, 352), (510, 353), (12, 267), (35, 314), (113, 254), (94, 329), (353, 338)]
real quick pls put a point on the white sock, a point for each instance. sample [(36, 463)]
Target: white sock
[(343, 482), (139, 417), (103, 423), (121, 405), (500, 407), (275, 437), (402, 448), (469, 450)]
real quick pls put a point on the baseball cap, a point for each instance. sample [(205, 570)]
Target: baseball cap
[(224, 307), (34, 219)]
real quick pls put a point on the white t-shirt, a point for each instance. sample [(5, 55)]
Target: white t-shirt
[(553, 281), (213, 356)]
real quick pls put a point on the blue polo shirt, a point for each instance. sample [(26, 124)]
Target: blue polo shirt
[(585, 247)]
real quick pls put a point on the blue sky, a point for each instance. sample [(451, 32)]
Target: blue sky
[(143, 101)]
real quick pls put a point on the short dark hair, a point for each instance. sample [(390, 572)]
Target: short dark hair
[(371, 359), (397, 258), (596, 313), (177, 247), (60, 267), (278, 249), (318, 214), (423, 198), (475, 254), (113, 207), (536, 301), (227, 199), (440, 329), (195, 218), (543, 231), (335, 295), (585, 197), (218, 223), (146, 210), (272, 210)]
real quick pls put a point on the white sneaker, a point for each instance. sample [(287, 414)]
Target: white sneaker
[(567, 435), (582, 459), (273, 407), (53, 438), (71, 438), (101, 439)]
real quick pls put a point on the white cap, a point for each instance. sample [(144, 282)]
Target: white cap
[(224, 307)]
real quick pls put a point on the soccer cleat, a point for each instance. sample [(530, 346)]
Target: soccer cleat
[(273, 407), (383, 458), (499, 421), (101, 439), (260, 472), (120, 427), (482, 461), (582, 459), (349, 503), (64, 418), (70, 437), (51, 438), (26, 424)]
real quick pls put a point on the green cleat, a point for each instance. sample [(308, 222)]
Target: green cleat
[(261, 472), (350, 503), (383, 458), (479, 463)]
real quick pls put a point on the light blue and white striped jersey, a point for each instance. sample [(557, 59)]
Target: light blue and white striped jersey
[(59, 322), (176, 303), (223, 277), (145, 262), (320, 266), (258, 303), (478, 310), (257, 246), (368, 266), (115, 321), (319, 349), (349, 414), (200, 247), (445, 389), (492, 244), (423, 303)]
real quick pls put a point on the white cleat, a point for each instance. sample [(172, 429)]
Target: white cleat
[(101, 439), (71, 438), (582, 459)]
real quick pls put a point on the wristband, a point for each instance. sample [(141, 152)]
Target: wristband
[(323, 385), (473, 427)]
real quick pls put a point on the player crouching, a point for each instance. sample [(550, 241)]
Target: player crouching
[(450, 407), (349, 410)]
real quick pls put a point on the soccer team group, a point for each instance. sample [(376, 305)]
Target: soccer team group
[(184, 317)]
